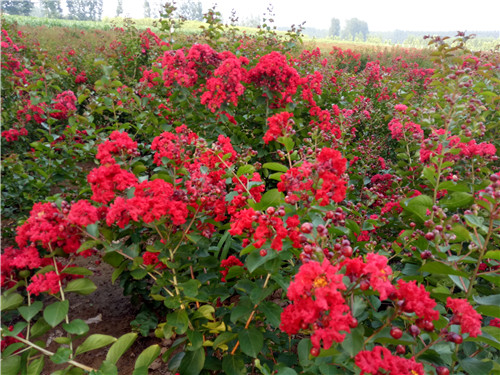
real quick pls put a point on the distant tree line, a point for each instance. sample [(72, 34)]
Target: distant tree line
[(354, 29), (77, 9)]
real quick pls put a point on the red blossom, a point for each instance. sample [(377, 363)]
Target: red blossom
[(380, 358), (468, 318)]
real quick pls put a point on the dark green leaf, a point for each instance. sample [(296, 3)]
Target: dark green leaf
[(418, 206), (179, 320), (76, 327), (77, 271), (36, 366), (275, 167), (457, 200), (193, 362), (11, 301), (272, 312), (55, 313), (440, 268), (224, 338), (251, 341), (28, 312), (93, 342), (81, 286), (255, 260), (147, 357), (233, 365), (475, 366), (11, 365), (62, 355)]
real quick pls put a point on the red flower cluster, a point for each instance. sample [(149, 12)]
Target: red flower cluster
[(280, 125), (318, 304), (225, 86), (48, 227), (152, 201), (150, 258), (231, 261), (13, 134), (273, 73), (322, 178), (46, 282), (119, 144), (409, 131), (13, 260), (106, 180), (380, 359), (415, 299), (64, 104), (465, 315), (374, 272)]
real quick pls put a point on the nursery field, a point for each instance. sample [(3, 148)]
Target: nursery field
[(224, 202)]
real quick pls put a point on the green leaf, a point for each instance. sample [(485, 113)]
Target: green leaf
[(474, 221), (193, 362), (245, 169), (452, 186), (272, 313), (190, 288), (489, 310), (418, 206), (93, 342), (77, 271), (11, 365), (475, 366), (287, 142), (76, 327), (286, 371), (271, 198), (303, 350), (353, 343), (233, 365), (205, 311), (120, 347), (62, 355), (255, 260), (457, 200), (195, 339), (36, 366), (488, 300), (147, 356), (55, 313), (108, 368), (224, 338), (492, 254), (88, 244), (462, 283), (179, 320), (251, 341), (28, 312), (81, 286), (39, 328), (430, 174), (461, 233), (93, 230), (440, 268), (275, 167), (11, 301)]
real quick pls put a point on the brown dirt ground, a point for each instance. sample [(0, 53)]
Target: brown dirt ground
[(113, 313)]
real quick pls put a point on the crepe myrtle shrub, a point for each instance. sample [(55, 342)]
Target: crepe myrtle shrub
[(311, 248)]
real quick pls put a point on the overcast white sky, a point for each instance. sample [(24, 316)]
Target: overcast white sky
[(381, 15)]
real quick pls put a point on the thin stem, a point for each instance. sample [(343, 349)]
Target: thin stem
[(251, 315), (50, 354), (481, 255), (66, 317)]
